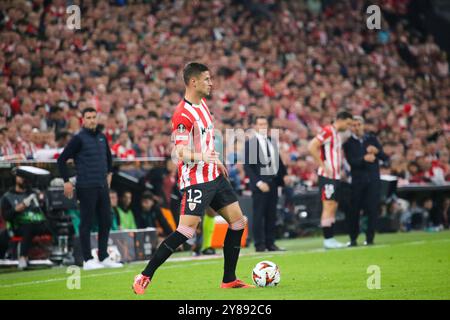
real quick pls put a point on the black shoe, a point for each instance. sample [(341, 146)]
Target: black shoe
[(352, 244), (275, 248), (260, 249), (209, 251)]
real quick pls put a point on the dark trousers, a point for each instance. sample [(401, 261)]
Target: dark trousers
[(365, 196), (264, 216), (94, 202), (28, 232), (4, 241)]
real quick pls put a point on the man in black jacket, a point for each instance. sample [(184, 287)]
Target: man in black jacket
[(93, 163), (266, 172), (363, 152)]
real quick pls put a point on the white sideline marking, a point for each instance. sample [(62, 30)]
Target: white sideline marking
[(414, 243), (56, 279)]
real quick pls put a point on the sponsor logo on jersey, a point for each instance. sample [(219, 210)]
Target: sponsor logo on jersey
[(181, 128)]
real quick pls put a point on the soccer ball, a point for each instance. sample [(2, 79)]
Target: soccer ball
[(266, 274)]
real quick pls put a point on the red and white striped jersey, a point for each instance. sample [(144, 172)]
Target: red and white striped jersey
[(330, 152), (192, 126)]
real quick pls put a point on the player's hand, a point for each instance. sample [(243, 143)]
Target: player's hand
[(210, 156), (264, 187), (222, 169), (370, 157), (372, 149), (68, 189)]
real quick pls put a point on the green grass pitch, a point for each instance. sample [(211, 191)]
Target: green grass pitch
[(412, 266)]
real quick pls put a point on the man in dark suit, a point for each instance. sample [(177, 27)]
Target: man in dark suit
[(266, 171), (363, 152)]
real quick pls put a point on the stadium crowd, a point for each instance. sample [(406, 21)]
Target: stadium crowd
[(297, 62)]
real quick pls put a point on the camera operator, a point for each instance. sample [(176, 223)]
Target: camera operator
[(23, 207)]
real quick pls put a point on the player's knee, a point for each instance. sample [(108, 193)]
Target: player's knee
[(187, 231), (239, 224)]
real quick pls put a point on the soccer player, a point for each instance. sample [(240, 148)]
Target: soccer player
[(202, 181), (326, 149)]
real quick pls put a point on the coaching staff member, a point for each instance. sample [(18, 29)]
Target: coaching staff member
[(266, 173), (93, 164), (363, 152)]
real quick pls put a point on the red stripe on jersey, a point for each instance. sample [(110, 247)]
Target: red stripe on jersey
[(205, 170), (183, 204), (193, 175), (332, 156)]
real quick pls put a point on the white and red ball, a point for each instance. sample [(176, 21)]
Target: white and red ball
[(266, 274)]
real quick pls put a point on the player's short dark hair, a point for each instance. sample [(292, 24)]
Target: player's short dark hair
[(193, 69), (344, 115), (88, 109)]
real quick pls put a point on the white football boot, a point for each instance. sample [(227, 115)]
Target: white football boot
[(332, 243), (92, 264)]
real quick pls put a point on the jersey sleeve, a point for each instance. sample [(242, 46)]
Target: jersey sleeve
[(181, 128), (324, 135)]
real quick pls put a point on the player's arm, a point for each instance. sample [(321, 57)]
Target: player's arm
[(314, 149), (380, 154), (182, 128), (354, 160), (187, 155)]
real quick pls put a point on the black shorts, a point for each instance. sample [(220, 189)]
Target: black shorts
[(215, 194), (329, 188)]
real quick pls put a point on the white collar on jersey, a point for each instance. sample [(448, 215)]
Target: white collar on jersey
[(193, 104)]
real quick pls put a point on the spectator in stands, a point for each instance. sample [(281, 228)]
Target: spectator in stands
[(142, 147), (27, 146), (125, 214), (122, 149), (414, 173), (56, 119), (23, 208), (11, 147)]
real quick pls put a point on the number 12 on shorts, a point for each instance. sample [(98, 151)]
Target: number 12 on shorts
[(197, 196), (193, 201)]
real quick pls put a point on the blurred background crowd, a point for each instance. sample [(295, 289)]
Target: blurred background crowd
[(297, 62)]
